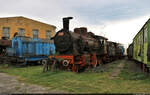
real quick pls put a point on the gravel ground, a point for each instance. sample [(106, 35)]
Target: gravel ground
[(9, 84), (116, 71)]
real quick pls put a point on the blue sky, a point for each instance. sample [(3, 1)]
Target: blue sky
[(118, 20)]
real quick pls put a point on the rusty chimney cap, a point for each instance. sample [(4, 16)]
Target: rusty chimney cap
[(67, 18)]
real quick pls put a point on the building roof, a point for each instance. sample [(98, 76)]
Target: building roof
[(28, 19)]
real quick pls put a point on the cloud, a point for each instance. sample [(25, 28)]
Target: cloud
[(100, 12), (89, 11), (125, 30), (119, 20)]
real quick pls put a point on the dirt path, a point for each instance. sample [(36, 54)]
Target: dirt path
[(116, 70), (9, 84), (12, 85)]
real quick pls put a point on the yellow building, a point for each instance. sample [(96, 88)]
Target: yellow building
[(25, 27)]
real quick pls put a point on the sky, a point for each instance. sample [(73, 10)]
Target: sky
[(118, 20)]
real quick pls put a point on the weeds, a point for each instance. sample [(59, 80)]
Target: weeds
[(86, 82)]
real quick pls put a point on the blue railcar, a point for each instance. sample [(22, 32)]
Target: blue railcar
[(26, 49), (122, 50)]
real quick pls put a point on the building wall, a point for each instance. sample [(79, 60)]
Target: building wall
[(14, 23)]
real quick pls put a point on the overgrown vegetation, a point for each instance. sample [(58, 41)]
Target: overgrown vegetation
[(128, 74), (86, 82)]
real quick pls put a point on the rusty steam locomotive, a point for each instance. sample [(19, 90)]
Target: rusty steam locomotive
[(79, 49)]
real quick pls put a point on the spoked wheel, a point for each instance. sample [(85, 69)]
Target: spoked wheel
[(76, 68), (99, 62), (96, 63)]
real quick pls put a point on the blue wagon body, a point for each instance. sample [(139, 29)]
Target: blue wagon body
[(27, 49), (122, 50)]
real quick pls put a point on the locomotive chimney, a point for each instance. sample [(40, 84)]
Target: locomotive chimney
[(66, 23)]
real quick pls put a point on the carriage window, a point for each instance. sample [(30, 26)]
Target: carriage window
[(136, 41), (21, 32), (104, 42), (142, 38), (101, 41), (35, 33), (134, 44), (48, 34), (145, 34), (6, 32), (139, 40)]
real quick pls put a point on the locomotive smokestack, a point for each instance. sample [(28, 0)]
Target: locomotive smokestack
[(66, 23)]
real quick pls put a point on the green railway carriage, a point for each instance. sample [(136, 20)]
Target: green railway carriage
[(141, 45)]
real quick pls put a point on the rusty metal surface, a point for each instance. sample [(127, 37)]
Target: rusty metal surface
[(5, 42), (81, 31)]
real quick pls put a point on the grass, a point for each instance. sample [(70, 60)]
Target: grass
[(130, 75), (87, 82)]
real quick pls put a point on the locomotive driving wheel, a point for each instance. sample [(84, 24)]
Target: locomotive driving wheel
[(76, 68), (99, 62), (95, 63)]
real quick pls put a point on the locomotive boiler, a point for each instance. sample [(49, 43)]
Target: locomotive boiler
[(80, 48)]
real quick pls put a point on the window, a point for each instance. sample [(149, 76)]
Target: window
[(101, 41), (21, 32), (48, 34), (139, 39), (134, 42), (6, 32), (35, 33), (145, 34)]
